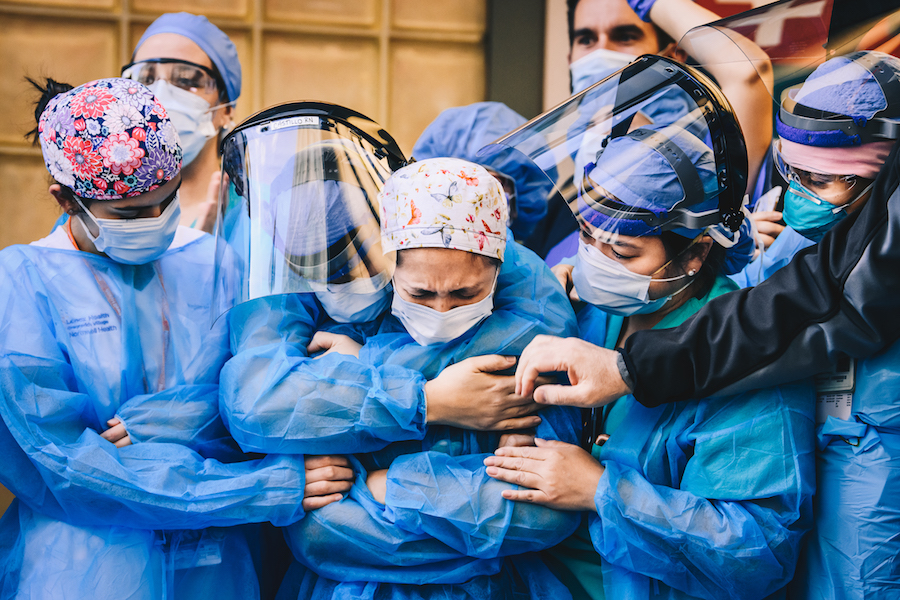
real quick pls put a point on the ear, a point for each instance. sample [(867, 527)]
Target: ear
[(674, 52), (698, 255), (64, 198)]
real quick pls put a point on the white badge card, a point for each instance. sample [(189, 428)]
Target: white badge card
[(834, 391)]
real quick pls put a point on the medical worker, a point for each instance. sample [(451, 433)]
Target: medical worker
[(702, 499), (110, 432), (461, 132), (301, 221), (193, 68), (606, 35), (831, 170), (423, 520)]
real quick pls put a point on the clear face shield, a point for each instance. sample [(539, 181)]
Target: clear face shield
[(651, 148), (299, 210)]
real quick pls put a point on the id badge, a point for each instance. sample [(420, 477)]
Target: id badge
[(205, 552), (834, 391)]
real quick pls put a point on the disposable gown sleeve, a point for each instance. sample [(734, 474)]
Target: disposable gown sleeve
[(452, 499), (839, 298), (274, 398), (733, 527), (62, 468), (186, 415)]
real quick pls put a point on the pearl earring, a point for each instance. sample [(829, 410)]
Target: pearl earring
[(692, 272)]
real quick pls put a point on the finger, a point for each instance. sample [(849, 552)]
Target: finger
[(542, 443), (770, 228), (125, 441), (322, 340), (767, 240), (520, 423), (491, 363), (114, 433), (329, 474), (319, 501), (528, 369), (520, 478), (324, 488), (513, 457), (544, 380), (532, 496), (766, 215), (567, 395), (324, 460), (112, 422), (516, 440), (573, 296)]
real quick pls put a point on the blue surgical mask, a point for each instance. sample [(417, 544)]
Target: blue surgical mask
[(812, 216), (596, 66), (350, 307), (190, 114), (428, 326), (135, 241), (611, 287)]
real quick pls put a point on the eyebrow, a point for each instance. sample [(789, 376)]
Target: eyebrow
[(630, 29), (582, 32)]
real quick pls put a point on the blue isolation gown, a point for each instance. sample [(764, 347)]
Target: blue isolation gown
[(699, 499), (854, 550), (88, 339), (445, 530)]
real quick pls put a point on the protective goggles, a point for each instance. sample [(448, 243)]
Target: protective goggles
[(189, 76), (826, 186)]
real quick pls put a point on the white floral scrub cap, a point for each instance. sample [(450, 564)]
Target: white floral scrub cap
[(444, 203)]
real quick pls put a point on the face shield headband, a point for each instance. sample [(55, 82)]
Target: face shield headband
[(813, 127), (597, 207)]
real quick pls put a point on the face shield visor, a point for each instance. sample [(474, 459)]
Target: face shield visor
[(652, 148), (298, 206)]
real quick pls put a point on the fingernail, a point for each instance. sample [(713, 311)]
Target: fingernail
[(492, 471)]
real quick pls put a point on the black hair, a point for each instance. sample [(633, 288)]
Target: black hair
[(49, 90), (679, 250), (664, 38)]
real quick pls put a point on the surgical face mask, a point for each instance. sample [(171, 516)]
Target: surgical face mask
[(428, 326), (190, 114), (598, 65), (345, 306), (810, 215), (135, 241), (611, 287)]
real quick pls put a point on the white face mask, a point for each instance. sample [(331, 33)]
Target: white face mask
[(611, 287), (346, 306), (428, 326), (134, 241), (190, 114), (598, 65)]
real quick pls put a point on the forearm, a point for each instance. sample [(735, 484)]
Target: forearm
[(275, 399), (186, 415), (454, 500), (355, 540), (706, 548)]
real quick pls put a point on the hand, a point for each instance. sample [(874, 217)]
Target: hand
[(767, 225), (564, 275), (333, 342), (116, 433), (206, 221), (377, 484), (327, 479), (470, 396), (516, 440), (593, 372), (558, 475)]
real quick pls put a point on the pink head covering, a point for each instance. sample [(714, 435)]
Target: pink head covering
[(863, 161)]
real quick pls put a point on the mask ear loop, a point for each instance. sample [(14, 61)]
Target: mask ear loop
[(671, 260)]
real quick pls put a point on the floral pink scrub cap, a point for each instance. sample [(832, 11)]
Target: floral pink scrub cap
[(444, 203), (109, 139)]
